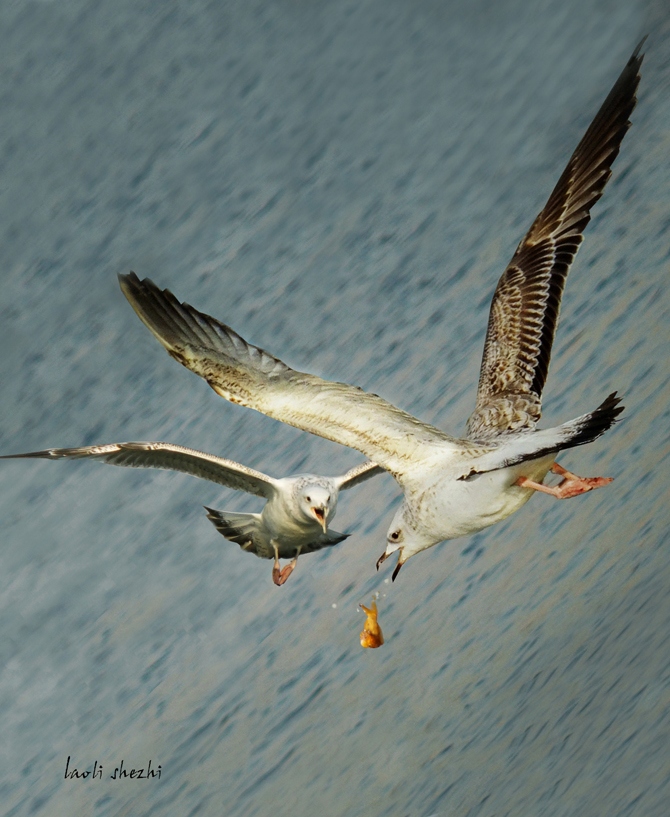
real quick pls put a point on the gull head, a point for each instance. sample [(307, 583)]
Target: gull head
[(318, 502), (402, 537)]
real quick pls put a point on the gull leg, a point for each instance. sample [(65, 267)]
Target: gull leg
[(276, 573), (571, 485), (286, 572)]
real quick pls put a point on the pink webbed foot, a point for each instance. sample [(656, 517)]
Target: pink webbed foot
[(276, 571), (276, 575), (571, 485), (279, 577)]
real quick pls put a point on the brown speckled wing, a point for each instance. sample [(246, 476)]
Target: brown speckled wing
[(526, 303)]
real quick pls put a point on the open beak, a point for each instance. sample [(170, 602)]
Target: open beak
[(396, 570), (321, 517), (382, 559)]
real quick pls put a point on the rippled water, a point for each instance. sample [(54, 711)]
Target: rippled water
[(343, 183)]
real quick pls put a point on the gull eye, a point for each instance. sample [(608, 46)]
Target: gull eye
[(308, 498), (395, 535)]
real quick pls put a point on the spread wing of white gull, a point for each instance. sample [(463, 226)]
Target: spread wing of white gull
[(452, 487), (294, 519)]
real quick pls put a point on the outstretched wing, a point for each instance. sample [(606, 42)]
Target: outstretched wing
[(247, 375), (354, 476), (526, 303), (170, 458)]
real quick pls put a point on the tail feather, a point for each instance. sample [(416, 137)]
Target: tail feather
[(580, 431), (533, 445), (590, 426)]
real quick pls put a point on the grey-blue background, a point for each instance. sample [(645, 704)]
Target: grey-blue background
[(342, 182)]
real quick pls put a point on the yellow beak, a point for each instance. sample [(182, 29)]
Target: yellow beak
[(321, 517)]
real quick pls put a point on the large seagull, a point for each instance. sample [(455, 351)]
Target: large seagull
[(452, 487)]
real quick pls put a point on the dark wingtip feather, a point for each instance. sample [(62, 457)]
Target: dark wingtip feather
[(218, 519), (47, 454), (215, 517), (598, 421), (636, 53), (131, 286), (147, 301), (160, 311), (223, 525)]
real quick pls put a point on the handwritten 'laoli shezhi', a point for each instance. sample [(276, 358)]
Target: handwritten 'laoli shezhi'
[(120, 773)]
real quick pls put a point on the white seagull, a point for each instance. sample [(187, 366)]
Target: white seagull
[(295, 517), (452, 487)]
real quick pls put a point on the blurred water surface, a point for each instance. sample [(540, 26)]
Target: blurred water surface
[(343, 183)]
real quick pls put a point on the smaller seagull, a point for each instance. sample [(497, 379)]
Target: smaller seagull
[(295, 517)]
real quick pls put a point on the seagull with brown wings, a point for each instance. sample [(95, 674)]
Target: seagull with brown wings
[(452, 487)]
